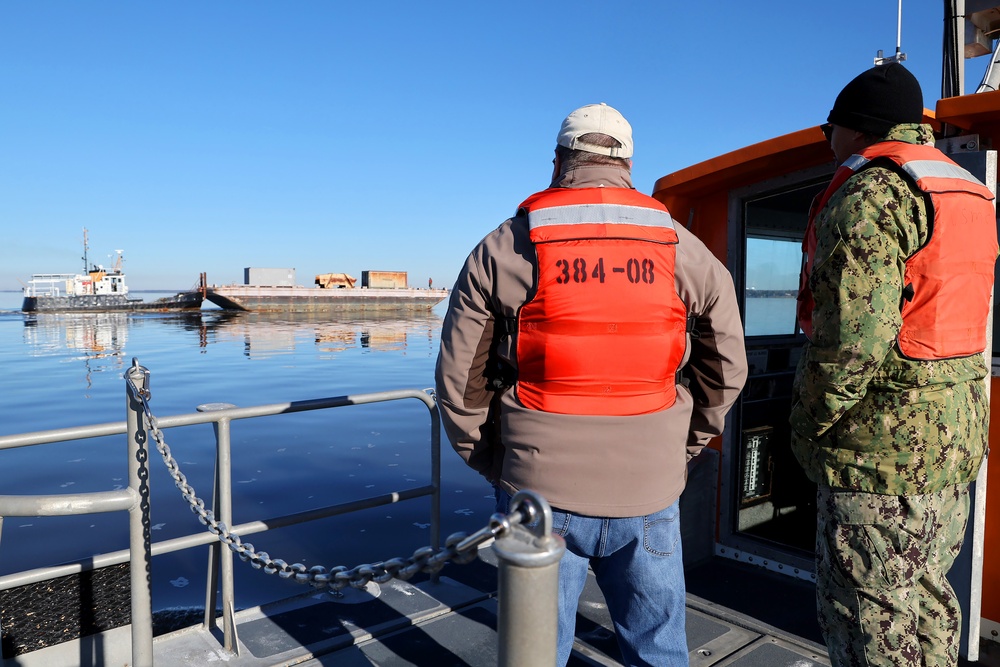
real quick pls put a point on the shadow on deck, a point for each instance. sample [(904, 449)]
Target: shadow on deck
[(739, 615), (453, 622)]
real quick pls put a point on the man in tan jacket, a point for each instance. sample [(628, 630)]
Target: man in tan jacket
[(591, 347)]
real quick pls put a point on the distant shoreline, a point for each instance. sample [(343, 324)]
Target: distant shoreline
[(769, 293), (750, 294), (131, 289)]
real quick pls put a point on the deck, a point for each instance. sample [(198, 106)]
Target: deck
[(453, 622), (739, 615)]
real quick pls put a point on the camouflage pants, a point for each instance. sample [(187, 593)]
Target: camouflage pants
[(881, 562)]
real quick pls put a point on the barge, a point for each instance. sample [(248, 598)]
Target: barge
[(274, 291)]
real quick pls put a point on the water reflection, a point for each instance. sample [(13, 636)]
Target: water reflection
[(96, 339), (267, 334), (100, 338)]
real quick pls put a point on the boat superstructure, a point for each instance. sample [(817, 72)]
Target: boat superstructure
[(97, 289)]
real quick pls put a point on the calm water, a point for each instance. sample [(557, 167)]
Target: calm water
[(770, 316), (66, 370)]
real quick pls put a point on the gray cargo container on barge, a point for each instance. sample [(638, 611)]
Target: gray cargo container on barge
[(267, 290)]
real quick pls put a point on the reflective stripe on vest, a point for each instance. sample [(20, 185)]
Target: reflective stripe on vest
[(947, 282), (604, 333)]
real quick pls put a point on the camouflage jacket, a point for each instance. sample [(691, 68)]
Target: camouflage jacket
[(863, 416)]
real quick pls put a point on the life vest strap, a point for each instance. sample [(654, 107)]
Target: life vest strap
[(575, 327), (619, 389)]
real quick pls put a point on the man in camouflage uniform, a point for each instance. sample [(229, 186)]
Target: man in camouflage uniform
[(891, 442)]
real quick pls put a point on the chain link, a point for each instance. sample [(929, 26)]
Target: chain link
[(459, 548)]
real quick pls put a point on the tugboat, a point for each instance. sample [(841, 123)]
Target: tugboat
[(97, 290)]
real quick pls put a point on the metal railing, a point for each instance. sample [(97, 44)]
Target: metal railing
[(135, 499), (527, 551)]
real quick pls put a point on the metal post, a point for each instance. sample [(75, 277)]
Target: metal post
[(2, 662), (960, 44), (529, 586), (222, 507), (139, 528), (435, 481)]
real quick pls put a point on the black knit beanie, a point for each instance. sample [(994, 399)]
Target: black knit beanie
[(877, 99)]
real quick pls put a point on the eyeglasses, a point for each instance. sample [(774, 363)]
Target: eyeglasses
[(827, 129)]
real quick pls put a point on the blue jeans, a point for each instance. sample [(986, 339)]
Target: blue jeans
[(640, 570)]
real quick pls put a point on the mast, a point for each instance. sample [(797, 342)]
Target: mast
[(86, 265), (953, 61), (899, 55)]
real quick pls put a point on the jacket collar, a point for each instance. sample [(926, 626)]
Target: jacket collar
[(595, 176), (910, 133)]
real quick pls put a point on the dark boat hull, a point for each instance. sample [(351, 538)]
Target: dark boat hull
[(102, 303)]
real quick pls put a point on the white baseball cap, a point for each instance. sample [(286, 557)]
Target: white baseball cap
[(596, 118)]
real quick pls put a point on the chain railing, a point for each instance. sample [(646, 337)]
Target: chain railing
[(460, 548)]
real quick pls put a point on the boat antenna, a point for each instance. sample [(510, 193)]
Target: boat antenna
[(86, 266), (899, 55)]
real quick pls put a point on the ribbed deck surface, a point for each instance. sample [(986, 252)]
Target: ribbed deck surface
[(454, 623), (738, 615)]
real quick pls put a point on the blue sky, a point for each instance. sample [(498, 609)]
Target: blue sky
[(332, 136)]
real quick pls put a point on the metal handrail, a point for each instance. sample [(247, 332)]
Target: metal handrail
[(136, 499), (172, 545), (193, 418)]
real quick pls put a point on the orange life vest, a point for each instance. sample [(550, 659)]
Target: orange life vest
[(948, 281), (605, 331)]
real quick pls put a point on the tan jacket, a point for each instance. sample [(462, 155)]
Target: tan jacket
[(592, 465)]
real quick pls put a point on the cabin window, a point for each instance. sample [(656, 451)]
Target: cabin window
[(769, 506), (772, 281)]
